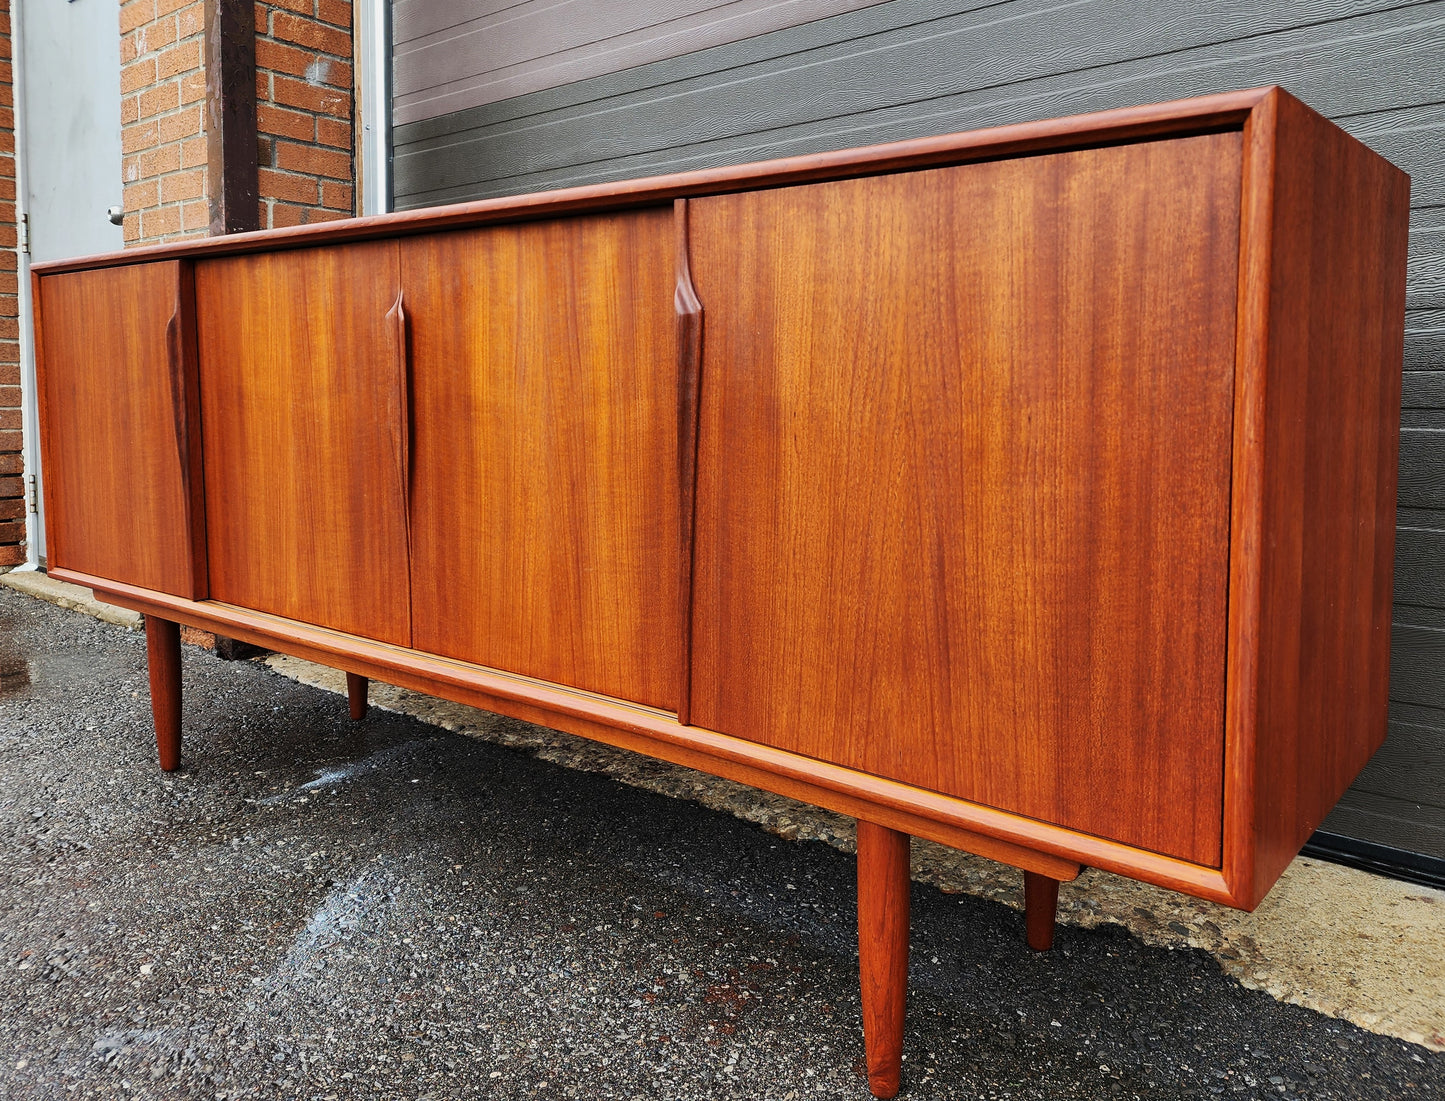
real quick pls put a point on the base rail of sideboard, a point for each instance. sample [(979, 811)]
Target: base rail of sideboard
[(1038, 847)]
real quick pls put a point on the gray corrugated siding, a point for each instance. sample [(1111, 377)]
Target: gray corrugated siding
[(455, 54), (912, 68)]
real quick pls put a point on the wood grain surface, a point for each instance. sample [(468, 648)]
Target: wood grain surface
[(1322, 344), (883, 889), (303, 420), (1178, 117), (163, 663), (545, 494), (119, 410), (1041, 906), (964, 480)]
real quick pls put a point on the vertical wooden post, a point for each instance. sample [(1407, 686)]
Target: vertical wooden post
[(163, 658), (1041, 900), (356, 686), (883, 887)]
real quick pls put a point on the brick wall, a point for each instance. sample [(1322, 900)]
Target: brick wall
[(163, 143), (304, 106), (12, 492), (304, 111)]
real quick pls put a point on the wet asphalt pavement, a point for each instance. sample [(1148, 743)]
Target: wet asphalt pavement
[(313, 908)]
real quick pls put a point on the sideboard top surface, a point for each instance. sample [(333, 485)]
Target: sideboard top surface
[(1201, 114)]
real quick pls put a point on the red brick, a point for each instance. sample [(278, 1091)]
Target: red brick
[(7, 188), (324, 216), (129, 110), (289, 92), (181, 125), (156, 36), (287, 124), (165, 7), (129, 50), (281, 58), (12, 508), (283, 214), (160, 99), (10, 397), (160, 222), (9, 441), (10, 329), (130, 229), (10, 460), (138, 75), (179, 186), (136, 12), (10, 362), (138, 196), (337, 12), (178, 59), (193, 87), (196, 216), (304, 7), (194, 636), (338, 75), (13, 486), (193, 152), (11, 556), (9, 284), (313, 160), (138, 137), (11, 531), (334, 132), (335, 196), (160, 161), (286, 187), (309, 33), (191, 21)]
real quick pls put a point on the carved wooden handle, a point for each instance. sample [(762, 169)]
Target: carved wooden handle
[(175, 366), (689, 382), (397, 317)]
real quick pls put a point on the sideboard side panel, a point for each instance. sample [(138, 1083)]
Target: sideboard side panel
[(119, 409), (303, 416), (1331, 455), (545, 502), (963, 493)]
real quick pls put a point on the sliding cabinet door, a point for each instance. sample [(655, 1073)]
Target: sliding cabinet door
[(116, 364), (963, 495), (304, 419), (545, 501)]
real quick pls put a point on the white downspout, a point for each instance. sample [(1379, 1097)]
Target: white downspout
[(374, 31), (29, 406)]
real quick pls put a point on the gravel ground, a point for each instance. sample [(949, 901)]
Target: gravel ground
[(318, 909)]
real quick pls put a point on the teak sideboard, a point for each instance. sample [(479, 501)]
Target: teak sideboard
[(1031, 490)]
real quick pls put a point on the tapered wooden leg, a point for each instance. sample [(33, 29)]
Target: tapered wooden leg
[(883, 950), (356, 695), (163, 657), (1041, 901)]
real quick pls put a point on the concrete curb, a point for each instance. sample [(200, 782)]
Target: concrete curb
[(1340, 941), (66, 595)]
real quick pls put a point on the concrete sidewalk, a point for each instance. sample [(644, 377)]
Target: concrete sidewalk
[(313, 908)]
